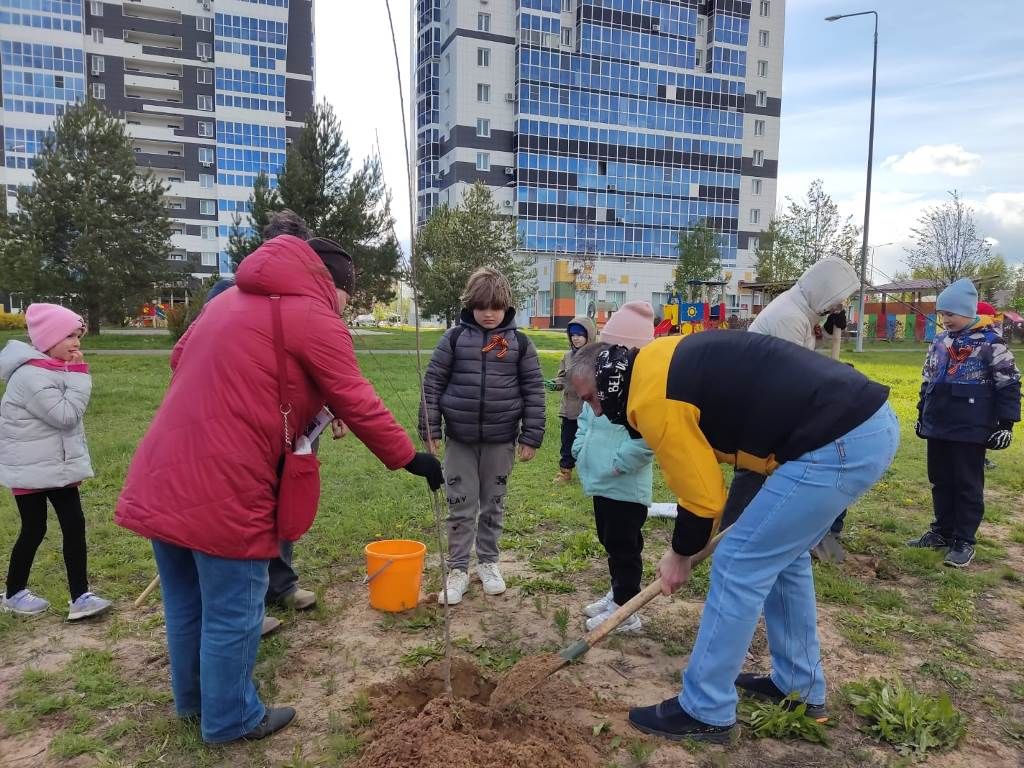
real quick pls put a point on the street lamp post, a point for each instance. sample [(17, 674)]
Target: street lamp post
[(867, 195)]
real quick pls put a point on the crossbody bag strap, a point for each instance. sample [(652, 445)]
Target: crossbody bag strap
[(284, 404)]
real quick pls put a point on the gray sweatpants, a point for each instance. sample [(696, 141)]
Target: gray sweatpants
[(476, 480)]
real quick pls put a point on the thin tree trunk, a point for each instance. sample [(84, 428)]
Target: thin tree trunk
[(93, 319)]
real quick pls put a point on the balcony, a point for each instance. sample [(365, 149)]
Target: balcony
[(153, 127), (135, 10), (152, 39), (160, 148), (154, 68), (152, 89)]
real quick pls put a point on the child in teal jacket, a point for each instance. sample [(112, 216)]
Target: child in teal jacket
[(617, 471)]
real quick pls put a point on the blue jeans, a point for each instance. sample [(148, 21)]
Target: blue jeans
[(763, 563), (213, 610)]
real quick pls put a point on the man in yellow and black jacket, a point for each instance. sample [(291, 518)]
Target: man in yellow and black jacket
[(821, 432)]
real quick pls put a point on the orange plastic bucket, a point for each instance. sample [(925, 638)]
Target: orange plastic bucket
[(394, 568)]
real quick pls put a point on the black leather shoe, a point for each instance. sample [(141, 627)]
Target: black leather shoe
[(762, 687), (669, 721), (273, 721)]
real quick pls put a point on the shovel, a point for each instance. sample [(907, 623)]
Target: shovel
[(530, 673)]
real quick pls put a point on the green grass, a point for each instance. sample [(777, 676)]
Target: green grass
[(915, 607), (108, 340)]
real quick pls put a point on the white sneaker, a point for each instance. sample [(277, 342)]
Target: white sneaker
[(457, 584), (631, 626), (600, 605), (87, 605), (25, 603), (490, 577)]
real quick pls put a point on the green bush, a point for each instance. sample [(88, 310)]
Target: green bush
[(181, 316), (912, 722)]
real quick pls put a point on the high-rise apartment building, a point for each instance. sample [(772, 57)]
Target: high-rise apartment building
[(212, 93), (606, 127)]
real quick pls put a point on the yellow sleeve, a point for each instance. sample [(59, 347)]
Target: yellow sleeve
[(687, 460)]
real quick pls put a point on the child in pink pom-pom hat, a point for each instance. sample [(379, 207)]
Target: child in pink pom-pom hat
[(43, 453)]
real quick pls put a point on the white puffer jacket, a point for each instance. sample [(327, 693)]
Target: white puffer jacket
[(792, 315), (42, 440)]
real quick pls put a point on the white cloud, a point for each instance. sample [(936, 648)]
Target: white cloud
[(943, 159), (1007, 208), (992, 242)]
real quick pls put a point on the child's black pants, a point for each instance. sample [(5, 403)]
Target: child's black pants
[(957, 474), (32, 507), (620, 531)]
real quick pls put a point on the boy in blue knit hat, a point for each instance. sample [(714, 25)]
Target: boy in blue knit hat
[(969, 402)]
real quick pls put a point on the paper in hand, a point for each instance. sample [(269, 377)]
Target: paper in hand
[(319, 423)]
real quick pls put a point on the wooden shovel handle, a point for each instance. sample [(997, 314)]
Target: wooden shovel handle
[(648, 593), (837, 341), (147, 591)]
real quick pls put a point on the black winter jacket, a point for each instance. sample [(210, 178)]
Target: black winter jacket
[(484, 396)]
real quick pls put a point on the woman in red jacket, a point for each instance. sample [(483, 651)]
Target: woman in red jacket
[(202, 484)]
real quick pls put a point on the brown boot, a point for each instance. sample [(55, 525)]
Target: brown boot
[(564, 476)]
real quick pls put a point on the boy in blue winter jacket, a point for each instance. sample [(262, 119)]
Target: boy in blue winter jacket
[(617, 471), (970, 400)]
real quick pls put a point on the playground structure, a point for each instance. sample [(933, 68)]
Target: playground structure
[(688, 317)]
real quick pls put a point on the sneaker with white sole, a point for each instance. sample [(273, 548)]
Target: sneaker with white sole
[(25, 603), (599, 606), (457, 584), (490, 577), (630, 626), (87, 605)]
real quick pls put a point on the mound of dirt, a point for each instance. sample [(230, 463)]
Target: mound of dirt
[(415, 724)]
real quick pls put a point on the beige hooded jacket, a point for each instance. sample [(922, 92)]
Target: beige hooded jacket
[(792, 315)]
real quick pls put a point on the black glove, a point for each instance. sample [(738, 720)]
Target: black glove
[(835, 320), (1001, 438), (425, 465), (917, 429)]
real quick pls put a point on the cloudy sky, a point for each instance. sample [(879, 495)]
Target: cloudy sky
[(950, 109)]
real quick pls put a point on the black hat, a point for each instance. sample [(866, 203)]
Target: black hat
[(338, 262)]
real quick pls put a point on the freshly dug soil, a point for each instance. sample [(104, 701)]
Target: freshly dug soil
[(415, 724), (528, 673)]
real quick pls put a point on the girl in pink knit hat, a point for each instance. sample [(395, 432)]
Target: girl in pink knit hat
[(43, 454)]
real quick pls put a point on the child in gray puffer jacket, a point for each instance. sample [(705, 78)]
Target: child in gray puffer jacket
[(43, 454), (484, 381)]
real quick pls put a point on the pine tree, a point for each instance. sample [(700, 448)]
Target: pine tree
[(263, 201), (92, 231), (456, 241), (351, 208)]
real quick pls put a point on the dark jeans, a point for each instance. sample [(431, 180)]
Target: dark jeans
[(32, 507), (569, 426), (744, 488), (957, 474), (620, 531), (283, 578)]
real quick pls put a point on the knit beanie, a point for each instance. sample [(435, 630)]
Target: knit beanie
[(960, 298), (631, 326), (338, 262), (50, 324), (984, 308)]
